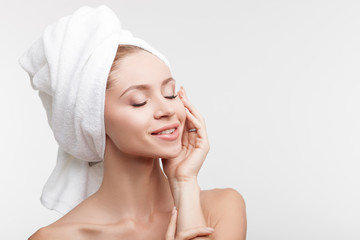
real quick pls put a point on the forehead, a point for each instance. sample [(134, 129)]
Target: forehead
[(141, 67)]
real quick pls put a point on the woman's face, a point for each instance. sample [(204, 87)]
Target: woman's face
[(140, 102)]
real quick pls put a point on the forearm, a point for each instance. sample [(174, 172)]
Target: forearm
[(187, 200)]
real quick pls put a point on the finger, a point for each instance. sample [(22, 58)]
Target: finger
[(192, 110), (189, 105), (192, 233), (191, 135), (197, 124), (170, 233), (185, 135)]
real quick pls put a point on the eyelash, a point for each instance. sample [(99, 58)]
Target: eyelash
[(142, 104)]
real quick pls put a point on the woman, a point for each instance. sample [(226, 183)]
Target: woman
[(146, 121)]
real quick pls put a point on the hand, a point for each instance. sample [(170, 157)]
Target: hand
[(185, 235), (194, 149)]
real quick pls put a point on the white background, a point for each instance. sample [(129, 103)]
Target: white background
[(278, 85)]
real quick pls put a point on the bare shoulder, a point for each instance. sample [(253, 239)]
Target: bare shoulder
[(226, 212), (39, 235), (218, 197), (50, 232), (84, 231), (62, 231), (216, 192), (58, 230)]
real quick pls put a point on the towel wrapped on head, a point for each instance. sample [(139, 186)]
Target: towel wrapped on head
[(69, 66)]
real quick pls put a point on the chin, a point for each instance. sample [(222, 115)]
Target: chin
[(171, 153), (169, 156)]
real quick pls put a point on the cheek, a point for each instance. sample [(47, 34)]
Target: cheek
[(126, 132)]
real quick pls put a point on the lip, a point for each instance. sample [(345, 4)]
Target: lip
[(174, 125), (168, 137)]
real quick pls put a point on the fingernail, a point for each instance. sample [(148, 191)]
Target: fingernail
[(174, 210), (209, 229)]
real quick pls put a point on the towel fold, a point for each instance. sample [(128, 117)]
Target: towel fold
[(69, 65)]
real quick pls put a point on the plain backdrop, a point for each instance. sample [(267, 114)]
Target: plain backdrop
[(276, 81)]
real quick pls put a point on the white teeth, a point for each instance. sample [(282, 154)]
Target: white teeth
[(168, 131)]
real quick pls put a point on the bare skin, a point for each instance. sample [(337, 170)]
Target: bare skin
[(76, 224), (136, 198)]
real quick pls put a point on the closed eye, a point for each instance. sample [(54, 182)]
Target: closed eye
[(142, 104), (171, 97)]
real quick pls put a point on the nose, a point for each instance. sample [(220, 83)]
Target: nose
[(163, 108)]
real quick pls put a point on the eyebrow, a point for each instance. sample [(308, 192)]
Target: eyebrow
[(144, 86)]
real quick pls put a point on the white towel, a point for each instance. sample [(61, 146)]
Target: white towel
[(69, 65)]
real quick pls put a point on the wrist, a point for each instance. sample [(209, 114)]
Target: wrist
[(189, 183), (185, 191)]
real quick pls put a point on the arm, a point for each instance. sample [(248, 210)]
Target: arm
[(228, 212), (187, 200), (182, 170), (182, 174)]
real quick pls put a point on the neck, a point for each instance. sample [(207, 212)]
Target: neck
[(133, 187)]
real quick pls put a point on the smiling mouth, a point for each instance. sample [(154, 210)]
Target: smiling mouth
[(167, 131)]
